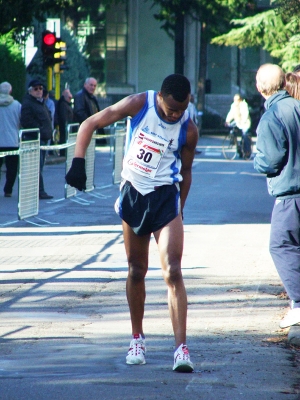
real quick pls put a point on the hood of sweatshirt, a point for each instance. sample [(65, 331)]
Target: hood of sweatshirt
[(5, 100)]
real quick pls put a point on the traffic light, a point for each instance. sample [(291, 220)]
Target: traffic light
[(53, 49), (60, 52), (48, 48)]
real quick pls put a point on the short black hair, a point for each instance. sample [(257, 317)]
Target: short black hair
[(176, 85), (296, 68)]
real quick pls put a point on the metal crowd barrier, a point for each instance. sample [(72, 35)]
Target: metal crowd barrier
[(29, 163), (116, 134), (90, 165), (29, 168), (72, 130)]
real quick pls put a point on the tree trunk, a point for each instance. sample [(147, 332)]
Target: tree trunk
[(179, 44), (202, 72)]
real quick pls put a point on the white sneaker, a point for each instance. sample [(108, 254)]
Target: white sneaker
[(291, 318), (137, 351), (182, 362)]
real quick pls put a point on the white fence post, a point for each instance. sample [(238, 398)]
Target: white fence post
[(29, 173)]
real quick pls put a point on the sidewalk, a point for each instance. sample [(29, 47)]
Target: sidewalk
[(65, 326)]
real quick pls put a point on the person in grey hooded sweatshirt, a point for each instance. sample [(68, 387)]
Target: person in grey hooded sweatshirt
[(10, 112)]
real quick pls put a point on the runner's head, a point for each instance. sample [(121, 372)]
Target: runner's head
[(176, 85), (174, 97)]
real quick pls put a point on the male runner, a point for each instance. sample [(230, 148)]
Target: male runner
[(159, 153)]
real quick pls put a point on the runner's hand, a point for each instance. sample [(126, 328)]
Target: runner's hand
[(76, 175)]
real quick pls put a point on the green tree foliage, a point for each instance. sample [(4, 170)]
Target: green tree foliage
[(12, 68), (275, 30), (287, 8), (19, 14), (215, 15)]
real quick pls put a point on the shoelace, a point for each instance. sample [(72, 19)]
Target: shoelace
[(183, 354), (185, 351), (137, 347)]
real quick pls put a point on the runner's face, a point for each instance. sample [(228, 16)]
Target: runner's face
[(169, 109)]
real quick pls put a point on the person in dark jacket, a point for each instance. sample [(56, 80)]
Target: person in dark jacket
[(86, 104), (64, 114), (35, 114), (278, 156)]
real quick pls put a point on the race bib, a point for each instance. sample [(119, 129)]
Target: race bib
[(145, 154)]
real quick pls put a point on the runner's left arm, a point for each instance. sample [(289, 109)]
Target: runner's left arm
[(187, 157)]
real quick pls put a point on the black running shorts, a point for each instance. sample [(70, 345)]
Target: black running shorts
[(149, 213)]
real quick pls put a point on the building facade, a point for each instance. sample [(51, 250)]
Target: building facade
[(129, 52)]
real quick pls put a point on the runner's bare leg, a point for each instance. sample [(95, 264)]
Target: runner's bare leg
[(137, 250), (170, 245)]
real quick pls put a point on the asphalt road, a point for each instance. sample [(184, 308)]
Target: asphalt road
[(65, 329), (223, 192)]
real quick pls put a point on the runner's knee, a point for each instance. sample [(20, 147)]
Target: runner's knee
[(172, 275), (137, 273)]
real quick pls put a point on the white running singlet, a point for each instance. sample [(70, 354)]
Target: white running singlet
[(152, 150)]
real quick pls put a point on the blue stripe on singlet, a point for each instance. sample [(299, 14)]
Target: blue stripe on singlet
[(136, 120), (181, 142)]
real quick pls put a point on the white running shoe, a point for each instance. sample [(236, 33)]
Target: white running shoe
[(137, 351), (182, 362), (291, 318)]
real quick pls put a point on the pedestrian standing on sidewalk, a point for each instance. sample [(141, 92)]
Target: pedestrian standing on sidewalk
[(64, 113), (193, 110), (86, 104), (35, 114), (159, 153), (10, 113), (50, 105), (278, 156)]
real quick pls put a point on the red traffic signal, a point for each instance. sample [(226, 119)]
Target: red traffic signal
[(48, 48), (49, 38), (53, 49)]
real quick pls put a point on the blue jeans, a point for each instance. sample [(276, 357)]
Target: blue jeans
[(11, 163), (285, 244), (247, 142)]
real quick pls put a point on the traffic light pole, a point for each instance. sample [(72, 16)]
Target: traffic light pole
[(57, 81), (49, 78)]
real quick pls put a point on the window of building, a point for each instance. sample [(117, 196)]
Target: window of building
[(102, 33), (116, 44)]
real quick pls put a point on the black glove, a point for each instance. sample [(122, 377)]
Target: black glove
[(76, 175)]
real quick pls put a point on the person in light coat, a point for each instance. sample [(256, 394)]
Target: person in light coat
[(10, 112)]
